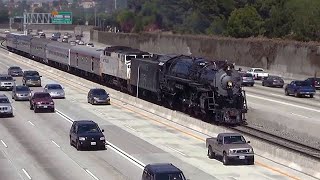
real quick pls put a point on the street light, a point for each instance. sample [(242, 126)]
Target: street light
[(138, 80)]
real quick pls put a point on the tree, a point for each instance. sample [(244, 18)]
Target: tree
[(126, 19), (245, 22)]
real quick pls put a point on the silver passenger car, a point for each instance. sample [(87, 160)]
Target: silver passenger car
[(58, 52), (6, 82), (21, 93), (55, 90), (5, 106)]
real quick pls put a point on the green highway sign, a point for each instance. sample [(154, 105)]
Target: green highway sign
[(61, 17)]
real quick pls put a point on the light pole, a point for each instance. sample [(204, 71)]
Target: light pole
[(138, 80), (115, 4)]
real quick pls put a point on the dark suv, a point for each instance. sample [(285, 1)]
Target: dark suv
[(41, 100), (162, 171), (86, 134), (15, 71)]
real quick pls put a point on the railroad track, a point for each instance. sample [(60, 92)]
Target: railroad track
[(259, 134)]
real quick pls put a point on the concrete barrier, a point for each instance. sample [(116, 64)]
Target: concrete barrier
[(263, 149)]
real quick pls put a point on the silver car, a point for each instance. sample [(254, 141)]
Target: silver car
[(32, 81), (6, 82), (21, 93), (5, 106), (55, 90)]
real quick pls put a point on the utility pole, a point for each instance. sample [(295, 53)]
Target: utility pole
[(115, 4), (95, 15)]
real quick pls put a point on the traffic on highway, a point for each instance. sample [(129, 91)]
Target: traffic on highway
[(83, 123)]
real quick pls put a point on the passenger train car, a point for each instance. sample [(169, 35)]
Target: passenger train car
[(193, 85)]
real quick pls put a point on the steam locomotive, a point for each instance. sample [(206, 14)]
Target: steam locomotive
[(207, 89)]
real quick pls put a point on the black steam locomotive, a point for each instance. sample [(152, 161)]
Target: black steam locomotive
[(208, 89)]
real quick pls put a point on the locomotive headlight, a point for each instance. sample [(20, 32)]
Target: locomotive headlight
[(229, 83)]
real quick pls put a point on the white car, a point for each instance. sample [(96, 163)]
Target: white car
[(90, 44), (80, 43), (258, 73)]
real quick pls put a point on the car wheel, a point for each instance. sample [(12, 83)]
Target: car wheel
[(52, 110), (211, 154), (88, 100), (35, 110), (225, 160), (250, 161), (11, 115), (31, 107), (78, 146), (296, 94), (71, 144), (286, 92), (311, 95), (262, 83)]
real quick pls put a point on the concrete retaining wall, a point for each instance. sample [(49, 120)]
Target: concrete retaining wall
[(280, 56), (263, 149)]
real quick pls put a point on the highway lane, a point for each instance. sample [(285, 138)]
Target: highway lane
[(184, 148)]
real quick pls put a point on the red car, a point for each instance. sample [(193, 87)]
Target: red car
[(41, 100)]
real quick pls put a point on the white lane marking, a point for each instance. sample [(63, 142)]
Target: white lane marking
[(109, 144), (55, 143), (91, 174), (125, 155), (31, 123), (26, 173), (277, 95), (5, 145), (129, 127), (176, 151), (300, 115), (284, 103)]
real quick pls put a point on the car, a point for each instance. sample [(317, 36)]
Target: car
[(73, 43), (273, 81), (68, 35), (300, 88), (42, 35), (32, 81), (162, 171), (15, 71), (41, 100), (258, 73), (231, 147), (247, 79), (6, 82), (98, 96), (86, 134), (31, 78), (54, 39), (56, 35), (6, 31), (314, 81), (65, 40), (5, 106), (21, 93), (80, 43), (55, 90), (90, 44)]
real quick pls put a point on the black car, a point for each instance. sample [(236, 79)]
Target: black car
[(315, 82), (273, 81), (86, 134), (15, 71), (98, 96), (162, 171)]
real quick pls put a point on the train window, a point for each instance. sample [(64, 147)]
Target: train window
[(92, 65), (77, 62)]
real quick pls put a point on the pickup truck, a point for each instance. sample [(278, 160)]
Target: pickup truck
[(231, 147), (258, 73), (299, 88)]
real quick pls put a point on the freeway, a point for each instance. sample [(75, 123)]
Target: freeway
[(141, 137)]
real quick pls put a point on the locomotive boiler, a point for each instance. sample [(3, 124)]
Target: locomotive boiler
[(197, 86)]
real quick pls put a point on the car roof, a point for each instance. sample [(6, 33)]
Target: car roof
[(230, 134), (14, 67), (53, 84), (3, 96), (85, 122), (162, 168)]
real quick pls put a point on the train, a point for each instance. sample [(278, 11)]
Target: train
[(207, 89)]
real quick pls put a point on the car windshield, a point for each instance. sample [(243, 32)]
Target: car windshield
[(170, 176), (258, 70), (54, 86), (35, 78), (22, 88), (4, 100), (32, 73), (99, 92), (8, 78), (42, 95), (234, 140), (86, 128), (276, 77), (15, 68), (303, 83)]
